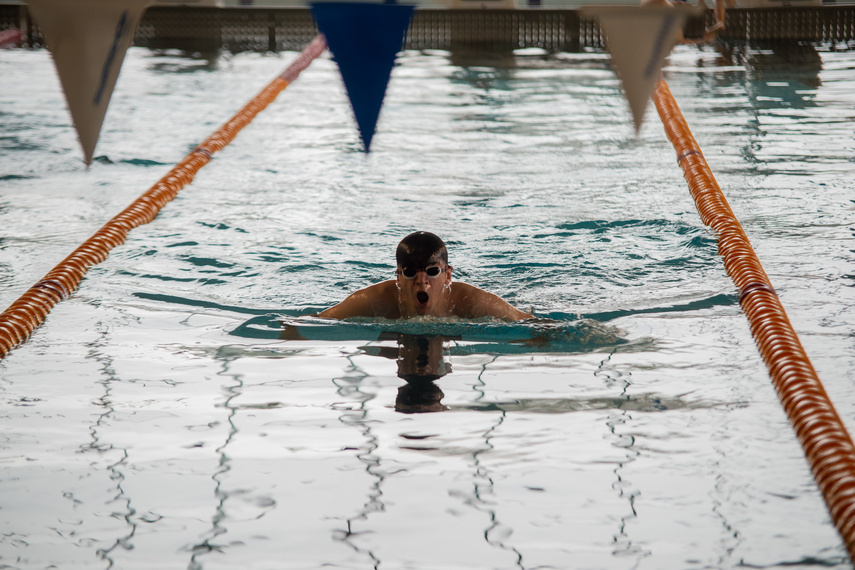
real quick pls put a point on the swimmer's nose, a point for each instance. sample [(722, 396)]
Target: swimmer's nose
[(422, 277)]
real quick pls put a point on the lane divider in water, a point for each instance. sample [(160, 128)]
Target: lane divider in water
[(826, 443), (11, 38), (19, 320)]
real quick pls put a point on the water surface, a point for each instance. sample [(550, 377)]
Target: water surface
[(158, 418)]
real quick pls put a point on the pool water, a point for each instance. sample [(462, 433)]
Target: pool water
[(183, 410)]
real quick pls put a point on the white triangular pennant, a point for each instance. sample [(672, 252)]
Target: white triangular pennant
[(88, 40), (639, 40)]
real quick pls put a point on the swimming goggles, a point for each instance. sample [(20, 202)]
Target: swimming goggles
[(433, 271)]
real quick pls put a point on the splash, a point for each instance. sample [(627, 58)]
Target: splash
[(484, 335)]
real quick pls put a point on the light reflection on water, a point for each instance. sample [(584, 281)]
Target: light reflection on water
[(158, 419)]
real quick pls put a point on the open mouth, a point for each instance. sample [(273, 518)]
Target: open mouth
[(422, 297)]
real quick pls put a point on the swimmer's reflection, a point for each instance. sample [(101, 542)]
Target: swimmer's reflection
[(421, 361)]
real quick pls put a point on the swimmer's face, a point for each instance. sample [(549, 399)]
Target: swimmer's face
[(423, 289)]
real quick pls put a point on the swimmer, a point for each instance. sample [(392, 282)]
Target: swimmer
[(423, 287)]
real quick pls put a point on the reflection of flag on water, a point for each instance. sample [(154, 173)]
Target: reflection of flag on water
[(364, 40)]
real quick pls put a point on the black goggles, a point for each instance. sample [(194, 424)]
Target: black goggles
[(411, 272)]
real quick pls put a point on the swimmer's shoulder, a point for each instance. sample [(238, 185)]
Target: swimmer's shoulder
[(378, 300), (471, 302)]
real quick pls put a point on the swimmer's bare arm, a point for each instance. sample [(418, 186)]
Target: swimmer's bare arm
[(470, 302), (378, 300)]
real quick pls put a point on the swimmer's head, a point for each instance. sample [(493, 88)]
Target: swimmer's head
[(420, 250), (422, 275)]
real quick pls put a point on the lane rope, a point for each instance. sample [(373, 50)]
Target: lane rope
[(22, 317), (826, 443), (10, 38)]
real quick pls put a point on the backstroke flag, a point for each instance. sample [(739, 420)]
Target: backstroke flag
[(88, 40), (639, 39), (364, 40)]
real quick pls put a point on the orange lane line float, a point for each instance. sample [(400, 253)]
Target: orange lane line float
[(22, 317), (826, 443)]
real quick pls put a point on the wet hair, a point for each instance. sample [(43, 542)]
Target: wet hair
[(420, 249)]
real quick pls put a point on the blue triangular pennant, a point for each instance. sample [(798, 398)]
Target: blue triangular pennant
[(364, 40)]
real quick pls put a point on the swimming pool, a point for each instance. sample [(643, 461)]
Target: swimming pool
[(157, 418)]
